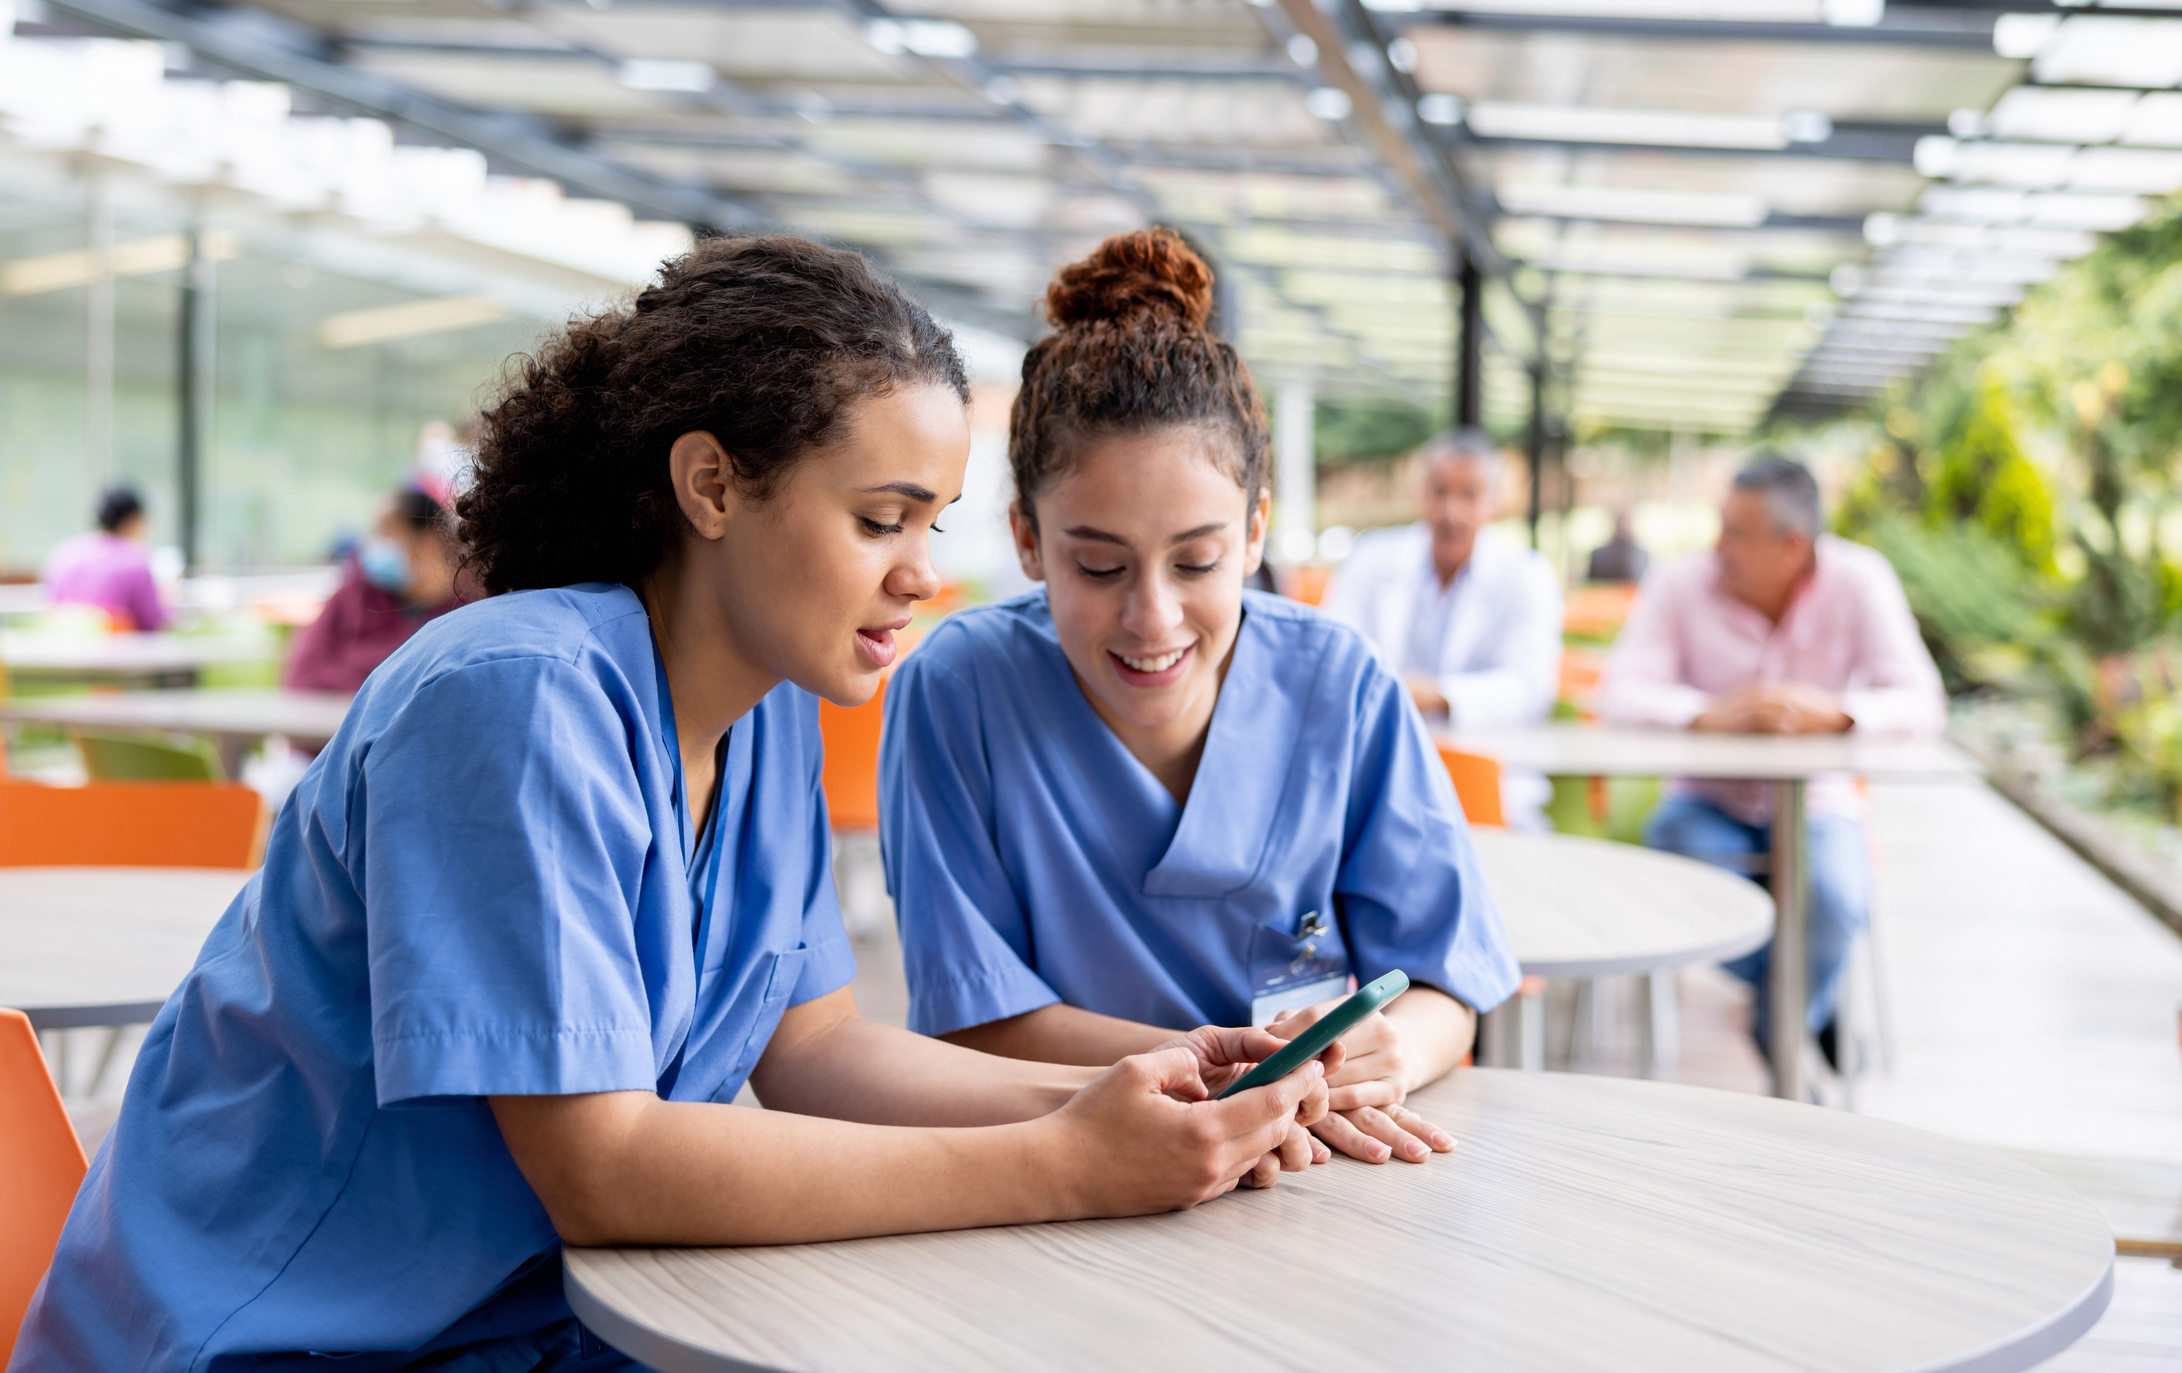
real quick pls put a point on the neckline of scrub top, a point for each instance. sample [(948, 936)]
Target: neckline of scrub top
[(1207, 838), (699, 851)]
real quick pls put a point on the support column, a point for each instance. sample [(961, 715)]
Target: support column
[(193, 379), (1469, 347), (98, 335), (1534, 449), (1295, 474)]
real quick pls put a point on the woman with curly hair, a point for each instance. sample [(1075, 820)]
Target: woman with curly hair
[(559, 887), (1141, 796)]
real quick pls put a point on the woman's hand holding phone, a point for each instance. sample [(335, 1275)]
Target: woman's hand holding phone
[(1225, 1053), (1146, 1135), (1365, 1116)]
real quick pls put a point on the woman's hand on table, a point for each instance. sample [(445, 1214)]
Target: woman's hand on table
[(1146, 1135), (1365, 1116)]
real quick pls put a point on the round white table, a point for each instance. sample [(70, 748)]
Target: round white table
[(1584, 1223), (234, 718), (1588, 908), (1787, 762), (1576, 907), (104, 946)]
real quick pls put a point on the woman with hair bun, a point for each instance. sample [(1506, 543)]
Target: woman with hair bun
[(559, 887), (1143, 797)]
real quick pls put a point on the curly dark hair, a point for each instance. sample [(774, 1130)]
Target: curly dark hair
[(765, 342), (1130, 352)]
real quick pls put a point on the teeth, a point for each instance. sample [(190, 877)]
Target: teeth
[(1158, 664)]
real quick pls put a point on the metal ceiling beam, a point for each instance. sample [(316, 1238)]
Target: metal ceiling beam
[(1903, 26), (1447, 206), (513, 140), (1851, 141)]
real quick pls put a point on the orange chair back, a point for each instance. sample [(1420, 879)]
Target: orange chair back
[(850, 772), (41, 1166), (131, 824), (1477, 785), (1305, 582)]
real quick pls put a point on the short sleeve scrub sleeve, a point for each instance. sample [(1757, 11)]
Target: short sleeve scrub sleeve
[(1033, 860), (489, 883)]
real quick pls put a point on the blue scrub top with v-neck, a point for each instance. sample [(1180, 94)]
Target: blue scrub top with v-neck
[(488, 883), (1033, 860)]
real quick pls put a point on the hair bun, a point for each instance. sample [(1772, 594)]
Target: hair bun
[(1149, 272)]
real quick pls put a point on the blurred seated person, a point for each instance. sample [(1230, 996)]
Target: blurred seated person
[(110, 569), (400, 577), (1621, 558), (1781, 629), (1470, 619)]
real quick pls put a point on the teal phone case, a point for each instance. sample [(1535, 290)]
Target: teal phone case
[(1313, 1041)]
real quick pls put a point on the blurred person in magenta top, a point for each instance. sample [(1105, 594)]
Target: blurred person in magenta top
[(1781, 629), (109, 569), (404, 575)]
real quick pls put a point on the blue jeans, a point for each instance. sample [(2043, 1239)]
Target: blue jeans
[(1840, 904)]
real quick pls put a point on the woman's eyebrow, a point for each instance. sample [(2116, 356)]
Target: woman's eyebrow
[(922, 494), (1084, 531)]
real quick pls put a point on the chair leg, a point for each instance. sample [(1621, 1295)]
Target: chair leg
[(1882, 984), (1587, 1045), (106, 1060), (1661, 1025), (1531, 1046)]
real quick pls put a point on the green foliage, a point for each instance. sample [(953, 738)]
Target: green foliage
[(1346, 432), (1984, 613), (1982, 478), (2020, 488)]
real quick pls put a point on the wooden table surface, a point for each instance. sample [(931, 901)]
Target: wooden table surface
[(307, 716), (1574, 750), (104, 946), (1578, 907), (1584, 1223)]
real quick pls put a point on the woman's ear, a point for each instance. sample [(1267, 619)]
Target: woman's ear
[(1026, 542), (704, 483), (1261, 514)]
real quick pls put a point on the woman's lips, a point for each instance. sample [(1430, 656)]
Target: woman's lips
[(877, 646), (1175, 662)]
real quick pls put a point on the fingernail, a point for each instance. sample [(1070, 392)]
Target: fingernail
[(1380, 1151), (1442, 1140), (1414, 1151)]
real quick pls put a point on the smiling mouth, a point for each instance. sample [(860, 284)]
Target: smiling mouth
[(1158, 662)]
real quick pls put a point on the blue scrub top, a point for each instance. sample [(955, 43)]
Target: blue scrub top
[(488, 883), (1034, 860)]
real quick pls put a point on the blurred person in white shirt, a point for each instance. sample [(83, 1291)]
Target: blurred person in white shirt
[(1471, 619)]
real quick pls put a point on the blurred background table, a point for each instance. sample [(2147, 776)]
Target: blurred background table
[(234, 718), (1788, 762), (1583, 1223), (163, 660), (104, 946), (1587, 908)]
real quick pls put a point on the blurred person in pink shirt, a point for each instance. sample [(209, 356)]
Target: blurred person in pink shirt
[(110, 569), (403, 575), (1781, 629)]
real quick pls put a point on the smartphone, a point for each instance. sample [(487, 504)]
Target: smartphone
[(1330, 1027)]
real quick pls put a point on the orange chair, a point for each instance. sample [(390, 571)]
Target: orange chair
[(1477, 785), (131, 824), (850, 772), (41, 1166)]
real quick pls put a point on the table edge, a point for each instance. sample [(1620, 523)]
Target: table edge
[(1638, 964), (638, 1341)]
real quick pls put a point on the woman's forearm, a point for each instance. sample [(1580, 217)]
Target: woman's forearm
[(1062, 1034), (850, 1068), (655, 1172), (1437, 1033)]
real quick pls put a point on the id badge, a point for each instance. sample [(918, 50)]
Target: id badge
[(1291, 971)]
